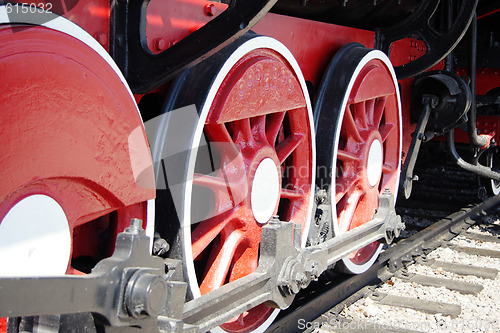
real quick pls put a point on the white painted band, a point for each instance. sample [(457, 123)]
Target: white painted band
[(35, 239), (265, 190)]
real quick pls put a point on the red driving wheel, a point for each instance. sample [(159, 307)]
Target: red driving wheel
[(359, 95), (75, 161), (254, 159)]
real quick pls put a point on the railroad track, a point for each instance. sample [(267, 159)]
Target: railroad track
[(433, 217), (453, 289)]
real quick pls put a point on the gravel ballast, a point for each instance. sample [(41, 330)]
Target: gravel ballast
[(479, 312)]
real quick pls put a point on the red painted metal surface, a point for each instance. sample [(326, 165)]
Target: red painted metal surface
[(312, 43), (487, 79), (70, 131), (259, 113), (3, 325), (170, 21), (371, 115), (402, 52)]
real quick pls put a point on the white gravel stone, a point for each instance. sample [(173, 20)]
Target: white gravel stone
[(480, 313)]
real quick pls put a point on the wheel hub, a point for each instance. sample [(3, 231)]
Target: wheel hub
[(265, 190), (35, 238), (374, 162)]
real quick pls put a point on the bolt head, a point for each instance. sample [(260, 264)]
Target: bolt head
[(101, 38), (146, 295), (160, 44), (210, 10)]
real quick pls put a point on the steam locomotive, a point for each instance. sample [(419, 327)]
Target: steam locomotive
[(190, 165)]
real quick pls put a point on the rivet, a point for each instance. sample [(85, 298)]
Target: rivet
[(101, 38), (210, 10), (160, 44)]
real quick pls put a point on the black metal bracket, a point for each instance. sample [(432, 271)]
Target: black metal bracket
[(145, 70), (407, 177), (438, 44)]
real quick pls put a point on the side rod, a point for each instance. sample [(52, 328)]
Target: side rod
[(130, 289)]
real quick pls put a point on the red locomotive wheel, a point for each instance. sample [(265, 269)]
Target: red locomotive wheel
[(251, 157), (362, 147), (75, 161)]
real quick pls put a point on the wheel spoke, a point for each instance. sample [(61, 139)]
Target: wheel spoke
[(345, 156), (233, 166), (241, 130), (343, 186), (378, 111), (237, 182), (285, 148), (258, 125), (221, 140), (360, 113), (274, 122), (244, 263), (367, 208), (385, 130), (291, 194), (369, 110), (349, 127), (226, 196), (214, 183), (387, 169), (206, 231), (345, 216), (220, 261)]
